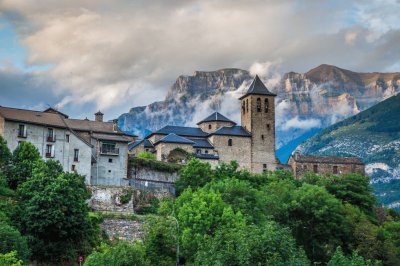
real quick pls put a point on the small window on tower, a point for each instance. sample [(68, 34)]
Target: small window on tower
[(258, 105), (262, 137), (247, 105), (206, 151), (264, 167), (266, 105), (268, 126), (229, 142), (243, 107), (209, 126)]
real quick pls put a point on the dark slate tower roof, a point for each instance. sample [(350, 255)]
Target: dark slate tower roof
[(216, 117), (257, 87), (173, 138)]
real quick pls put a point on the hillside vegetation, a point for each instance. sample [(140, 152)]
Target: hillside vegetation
[(374, 136)]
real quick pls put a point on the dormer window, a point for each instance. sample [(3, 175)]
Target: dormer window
[(266, 105), (209, 126), (258, 105)]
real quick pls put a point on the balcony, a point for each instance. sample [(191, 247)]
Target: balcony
[(51, 138), (49, 155), (107, 150)]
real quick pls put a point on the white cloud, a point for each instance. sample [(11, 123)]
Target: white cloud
[(301, 124)]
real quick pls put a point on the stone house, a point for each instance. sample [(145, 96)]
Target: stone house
[(95, 149), (219, 139), (332, 165)]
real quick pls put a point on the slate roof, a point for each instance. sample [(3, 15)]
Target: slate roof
[(55, 119), (182, 131), (232, 131), (207, 156), (147, 144), (216, 117), (202, 143), (257, 87), (120, 138), (327, 159), (173, 138)]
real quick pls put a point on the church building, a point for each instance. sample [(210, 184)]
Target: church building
[(219, 139)]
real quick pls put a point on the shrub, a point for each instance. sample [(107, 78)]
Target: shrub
[(146, 155)]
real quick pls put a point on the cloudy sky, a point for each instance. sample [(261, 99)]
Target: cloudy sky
[(83, 55)]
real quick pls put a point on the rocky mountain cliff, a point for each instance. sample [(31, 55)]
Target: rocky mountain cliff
[(374, 136), (315, 99)]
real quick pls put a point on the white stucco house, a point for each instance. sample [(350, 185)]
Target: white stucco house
[(95, 149)]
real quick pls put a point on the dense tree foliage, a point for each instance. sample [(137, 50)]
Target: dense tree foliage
[(12, 240), (10, 259), (121, 254)]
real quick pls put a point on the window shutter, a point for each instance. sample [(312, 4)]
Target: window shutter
[(24, 131), (52, 151)]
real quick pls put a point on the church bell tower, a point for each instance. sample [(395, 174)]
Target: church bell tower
[(258, 117)]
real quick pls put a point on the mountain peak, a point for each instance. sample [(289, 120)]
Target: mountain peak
[(325, 72)]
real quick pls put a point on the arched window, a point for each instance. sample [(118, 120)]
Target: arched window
[(209, 126), (229, 142), (266, 105), (243, 108), (268, 126), (258, 105), (247, 105)]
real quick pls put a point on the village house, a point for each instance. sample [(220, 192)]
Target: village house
[(218, 139), (331, 165), (96, 149)]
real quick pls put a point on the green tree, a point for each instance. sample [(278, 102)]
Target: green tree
[(339, 259), (10, 259), (318, 221), (11, 240), (24, 158), (121, 254), (195, 174), (5, 155), (52, 211), (353, 189), (201, 213), (268, 244), (147, 155), (161, 240)]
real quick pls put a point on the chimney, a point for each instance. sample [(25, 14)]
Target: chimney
[(99, 116), (115, 125)]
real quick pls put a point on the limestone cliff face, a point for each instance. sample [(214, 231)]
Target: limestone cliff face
[(325, 94)]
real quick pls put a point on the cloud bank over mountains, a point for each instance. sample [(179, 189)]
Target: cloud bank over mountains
[(112, 55)]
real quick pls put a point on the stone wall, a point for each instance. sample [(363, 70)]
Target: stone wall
[(1, 126), (123, 229), (163, 149), (239, 151), (214, 125), (300, 168)]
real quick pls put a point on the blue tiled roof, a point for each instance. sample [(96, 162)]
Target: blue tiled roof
[(232, 131), (173, 138), (182, 131), (147, 144), (202, 143), (134, 144), (257, 87), (216, 117), (207, 156)]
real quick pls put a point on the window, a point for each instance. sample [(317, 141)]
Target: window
[(206, 151), (305, 167), (258, 105), (266, 105), (315, 167), (109, 147), (67, 137), (73, 168), (268, 126), (50, 135), (247, 105), (49, 151), (109, 171), (264, 167), (209, 126), (110, 160), (262, 137), (335, 169), (147, 150), (243, 107), (198, 151), (22, 131), (229, 142), (76, 155)]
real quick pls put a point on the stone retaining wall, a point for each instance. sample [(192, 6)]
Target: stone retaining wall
[(123, 229)]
